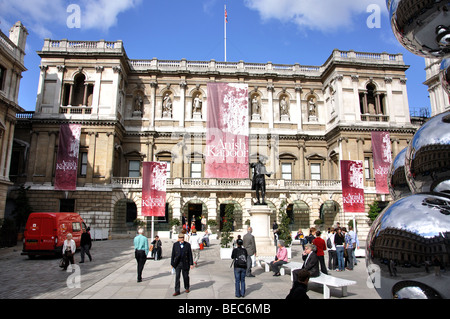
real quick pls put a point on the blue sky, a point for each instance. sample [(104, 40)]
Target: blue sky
[(280, 31)]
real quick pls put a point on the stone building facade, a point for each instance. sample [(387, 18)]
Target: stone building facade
[(12, 52), (304, 119), (439, 99)]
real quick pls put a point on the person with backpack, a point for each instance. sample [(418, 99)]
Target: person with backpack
[(239, 256), (332, 255)]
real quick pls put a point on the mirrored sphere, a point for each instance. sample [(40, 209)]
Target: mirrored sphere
[(444, 75), (407, 249), (427, 160), (398, 185), (422, 27)]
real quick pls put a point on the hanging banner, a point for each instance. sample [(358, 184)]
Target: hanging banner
[(382, 158), (227, 131), (154, 189), (67, 157), (352, 186)]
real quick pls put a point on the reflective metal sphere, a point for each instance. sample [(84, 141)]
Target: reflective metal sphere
[(407, 249), (422, 27), (427, 160), (444, 75), (398, 186)]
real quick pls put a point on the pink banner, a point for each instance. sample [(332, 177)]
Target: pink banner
[(154, 189), (67, 157), (228, 131), (352, 186), (382, 158)]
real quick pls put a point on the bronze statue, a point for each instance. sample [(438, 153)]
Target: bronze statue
[(259, 180)]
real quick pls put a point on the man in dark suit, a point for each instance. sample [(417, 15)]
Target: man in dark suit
[(311, 261), (250, 245), (181, 261)]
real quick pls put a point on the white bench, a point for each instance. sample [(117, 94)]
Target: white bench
[(329, 281), (290, 265)]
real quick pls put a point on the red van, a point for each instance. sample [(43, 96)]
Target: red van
[(45, 232)]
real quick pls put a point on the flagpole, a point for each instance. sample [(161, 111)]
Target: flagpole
[(225, 28)]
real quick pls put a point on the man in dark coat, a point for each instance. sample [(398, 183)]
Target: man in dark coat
[(311, 261), (259, 180), (182, 262)]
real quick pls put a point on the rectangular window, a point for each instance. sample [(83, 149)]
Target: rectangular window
[(67, 205), (2, 77), (367, 170), (83, 164), (196, 170), (286, 171), (315, 171), (134, 169), (167, 169)]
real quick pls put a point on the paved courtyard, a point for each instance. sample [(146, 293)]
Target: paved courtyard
[(112, 275)]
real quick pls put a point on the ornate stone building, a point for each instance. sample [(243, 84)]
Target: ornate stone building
[(12, 52), (304, 119), (439, 99)]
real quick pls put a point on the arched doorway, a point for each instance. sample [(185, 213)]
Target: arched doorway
[(328, 212), (193, 212), (298, 212), (237, 214), (125, 214)]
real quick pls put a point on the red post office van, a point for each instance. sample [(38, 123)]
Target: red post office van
[(45, 232)]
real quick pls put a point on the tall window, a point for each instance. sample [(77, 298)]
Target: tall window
[(79, 93), (83, 163), (367, 170), (134, 169), (2, 77), (315, 171), (196, 170), (286, 171)]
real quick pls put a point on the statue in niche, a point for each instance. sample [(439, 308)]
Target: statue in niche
[(312, 107), (197, 104), (256, 108), (167, 106), (284, 106), (138, 103)]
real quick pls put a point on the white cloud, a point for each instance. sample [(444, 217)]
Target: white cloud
[(322, 15), (102, 14), (41, 16)]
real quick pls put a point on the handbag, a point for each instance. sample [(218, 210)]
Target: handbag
[(61, 263)]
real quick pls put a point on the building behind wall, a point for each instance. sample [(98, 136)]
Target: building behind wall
[(120, 103), (12, 52)]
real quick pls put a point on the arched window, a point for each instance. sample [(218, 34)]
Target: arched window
[(79, 93), (372, 104)]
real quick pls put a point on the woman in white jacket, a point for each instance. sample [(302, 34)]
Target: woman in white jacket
[(195, 240), (68, 251)]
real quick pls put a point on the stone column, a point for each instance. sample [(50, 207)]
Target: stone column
[(270, 89)]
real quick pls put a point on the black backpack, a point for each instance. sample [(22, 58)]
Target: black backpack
[(240, 260)]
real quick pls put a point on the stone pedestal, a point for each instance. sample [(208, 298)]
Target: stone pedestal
[(260, 223)]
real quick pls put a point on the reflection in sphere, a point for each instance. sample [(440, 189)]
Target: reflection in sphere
[(427, 160), (398, 186), (407, 248), (444, 75), (422, 27)]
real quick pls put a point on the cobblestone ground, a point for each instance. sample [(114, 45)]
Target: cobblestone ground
[(23, 278)]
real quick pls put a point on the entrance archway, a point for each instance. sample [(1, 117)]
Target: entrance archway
[(125, 213), (237, 214), (193, 212)]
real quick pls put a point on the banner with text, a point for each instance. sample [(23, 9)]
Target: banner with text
[(382, 158), (352, 186), (227, 131), (67, 157), (154, 189)]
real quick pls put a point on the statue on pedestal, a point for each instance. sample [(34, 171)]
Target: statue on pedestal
[(167, 106), (259, 180)]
